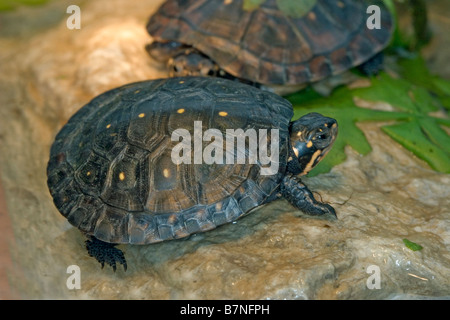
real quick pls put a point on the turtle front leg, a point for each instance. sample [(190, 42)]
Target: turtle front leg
[(298, 194), (105, 252), (373, 66)]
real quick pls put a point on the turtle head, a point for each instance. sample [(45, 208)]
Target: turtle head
[(192, 63), (182, 60), (311, 137), (162, 51)]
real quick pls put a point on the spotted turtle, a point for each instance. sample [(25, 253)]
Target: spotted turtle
[(126, 169), (273, 43)]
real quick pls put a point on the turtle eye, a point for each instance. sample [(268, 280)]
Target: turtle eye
[(322, 136)]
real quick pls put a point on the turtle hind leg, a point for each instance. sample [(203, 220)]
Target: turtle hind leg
[(298, 194), (105, 252), (373, 66)]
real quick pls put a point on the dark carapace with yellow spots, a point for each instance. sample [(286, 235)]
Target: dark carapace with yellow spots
[(113, 169)]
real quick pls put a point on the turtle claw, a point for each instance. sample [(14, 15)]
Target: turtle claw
[(328, 210), (298, 194), (106, 253)]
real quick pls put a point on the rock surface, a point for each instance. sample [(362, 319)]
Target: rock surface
[(49, 71)]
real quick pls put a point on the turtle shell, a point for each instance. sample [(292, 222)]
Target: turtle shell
[(111, 171), (275, 42)]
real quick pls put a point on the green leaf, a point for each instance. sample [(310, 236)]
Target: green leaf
[(295, 8), (415, 136), (250, 5), (291, 8), (441, 85), (397, 92), (413, 127), (12, 4), (397, 38), (411, 245), (416, 72), (390, 6)]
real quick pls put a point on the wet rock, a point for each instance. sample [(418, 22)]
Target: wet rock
[(274, 253)]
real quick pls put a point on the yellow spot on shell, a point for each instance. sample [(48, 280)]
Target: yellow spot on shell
[(88, 173), (312, 16), (340, 4), (309, 144), (137, 91), (141, 115), (172, 218), (166, 173), (180, 110), (108, 126), (182, 81), (121, 176), (223, 113)]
